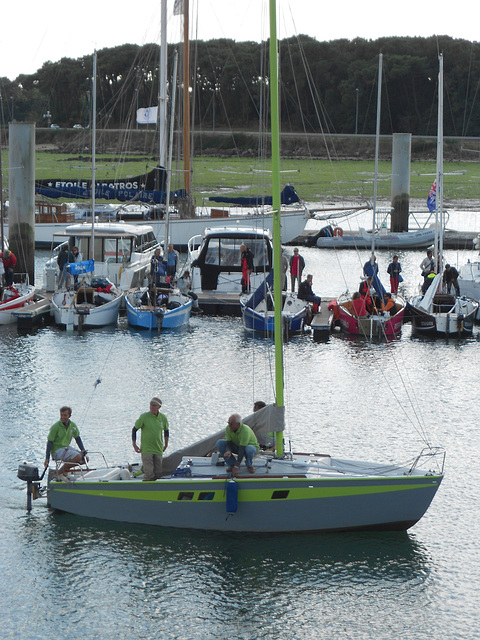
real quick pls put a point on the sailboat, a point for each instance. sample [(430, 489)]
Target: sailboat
[(166, 307), (258, 310), (378, 323), (96, 301), (288, 492), (436, 311)]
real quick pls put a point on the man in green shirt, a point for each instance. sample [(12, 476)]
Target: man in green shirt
[(240, 440), (154, 427), (58, 443)]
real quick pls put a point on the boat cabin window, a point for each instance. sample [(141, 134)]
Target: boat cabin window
[(116, 249), (145, 242), (225, 253), (106, 249)]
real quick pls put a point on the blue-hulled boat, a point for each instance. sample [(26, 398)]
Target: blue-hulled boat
[(258, 310), (170, 308)]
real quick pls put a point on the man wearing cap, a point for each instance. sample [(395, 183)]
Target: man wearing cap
[(9, 261), (154, 426)]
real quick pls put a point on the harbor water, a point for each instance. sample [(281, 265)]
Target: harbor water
[(69, 576)]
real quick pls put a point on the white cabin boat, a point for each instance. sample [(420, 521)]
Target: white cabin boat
[(122, 252)]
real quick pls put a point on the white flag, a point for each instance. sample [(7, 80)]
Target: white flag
[(178, 8), (147, 116)]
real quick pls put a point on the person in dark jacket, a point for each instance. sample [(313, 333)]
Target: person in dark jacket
[(64, 257), (450, 276), (305, 291), (158, 271)]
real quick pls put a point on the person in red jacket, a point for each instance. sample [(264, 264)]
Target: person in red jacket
[(9, 261), (246, 260), (359, 305), (365, 292), (297, 265)]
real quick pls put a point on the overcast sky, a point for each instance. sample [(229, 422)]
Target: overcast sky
[(35, 32)]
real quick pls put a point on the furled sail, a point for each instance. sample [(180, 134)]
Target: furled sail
[(147, 188)]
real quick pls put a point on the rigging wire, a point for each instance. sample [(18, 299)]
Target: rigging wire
[(98, 378)]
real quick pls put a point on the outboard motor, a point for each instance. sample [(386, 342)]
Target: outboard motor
[(29, 473)]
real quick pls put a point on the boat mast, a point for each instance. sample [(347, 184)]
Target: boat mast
[(186, 99), (94, 143), (439, 227), (162, 89), (276, 201), (377, 145), (170, 149)]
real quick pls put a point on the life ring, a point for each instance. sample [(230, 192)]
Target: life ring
[(338, 231)]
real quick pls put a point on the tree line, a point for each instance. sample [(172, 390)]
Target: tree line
[(324, 86)]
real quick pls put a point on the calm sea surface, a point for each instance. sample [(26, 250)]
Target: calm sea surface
[(66, 576)]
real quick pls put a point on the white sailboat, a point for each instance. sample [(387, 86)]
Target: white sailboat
[(287, 491), (436, 311), (96, 301)]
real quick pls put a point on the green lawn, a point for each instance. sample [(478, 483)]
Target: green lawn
[(313, 179)]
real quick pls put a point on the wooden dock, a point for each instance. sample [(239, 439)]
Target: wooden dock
[(213, 303), (322, 322), (36, 313)]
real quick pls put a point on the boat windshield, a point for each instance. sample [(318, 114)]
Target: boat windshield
[(106, 249), (225, 253)]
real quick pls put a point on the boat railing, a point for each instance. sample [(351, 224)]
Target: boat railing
[(430, 453), (194, 243), (20, 278), (81, 470)]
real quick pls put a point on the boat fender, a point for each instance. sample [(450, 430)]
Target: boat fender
[(338, 231), (184, 472), (232, 496), (460, 319)]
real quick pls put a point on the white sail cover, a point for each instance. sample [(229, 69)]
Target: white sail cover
[(427, 300)]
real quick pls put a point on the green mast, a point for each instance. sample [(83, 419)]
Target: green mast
[(277, 241)]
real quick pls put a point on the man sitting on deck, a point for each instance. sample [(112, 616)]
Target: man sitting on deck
[(305, 291), (240, 440), (58, 443)]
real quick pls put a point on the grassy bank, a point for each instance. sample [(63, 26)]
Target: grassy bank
[(314, 179)]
